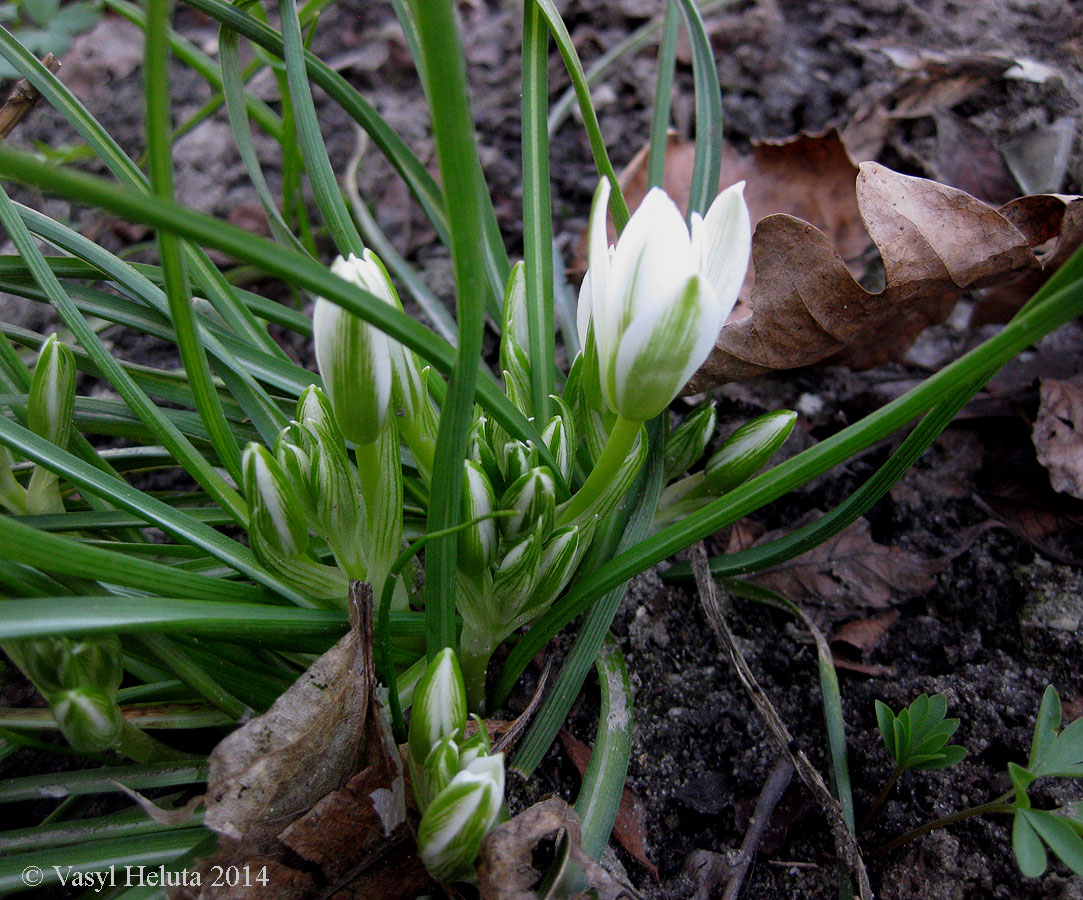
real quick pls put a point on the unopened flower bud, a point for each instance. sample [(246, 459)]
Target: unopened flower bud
[(477, 745), (441, 765), (515, 339), (688, 441), (745, 451), (88, 716), (51, 403), (559, 436), (354, 358), (277, 509), (439, 708), (478, 542), (453, 826), (533, 500)]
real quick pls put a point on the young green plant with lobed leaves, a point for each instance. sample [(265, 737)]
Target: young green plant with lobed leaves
[(534, 504)]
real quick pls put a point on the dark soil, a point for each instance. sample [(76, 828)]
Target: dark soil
[(997, 625)]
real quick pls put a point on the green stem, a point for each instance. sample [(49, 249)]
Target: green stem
[(884, 794), (993, 806), (621, 440), (475, 650)]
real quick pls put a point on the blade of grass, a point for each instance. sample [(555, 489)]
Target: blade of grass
[(270, 626), (617, 207), (102, 781), (460, 169), (603, 782), (168, 435), (663, 95), (149, 850), (129, 823), (708, 159), (159, 130), (64, 556), (537, 210), (182, 527)]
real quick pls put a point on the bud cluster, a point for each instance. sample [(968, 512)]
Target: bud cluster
[(458, 782)]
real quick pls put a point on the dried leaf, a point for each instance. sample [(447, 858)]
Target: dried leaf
[(1058, 434), (267, 773), (505, 871), (630, 827), (852, 570), (864, 635), (316, 778), (934, 241)]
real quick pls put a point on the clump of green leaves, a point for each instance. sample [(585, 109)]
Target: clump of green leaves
[(44, 26), (917, 738), (1054, 753)]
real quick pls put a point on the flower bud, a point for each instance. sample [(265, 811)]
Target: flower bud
[(559, 436), (441, 765), (745, 451), (314, 406), (88, 716), (559, 559), (515, 461), (515, 339), (354, 358), (686, 444), (475, 746), (453, 826), (277, 510), (51, 404), (533, 500), (478, 542), (515, 576), (439, 708)]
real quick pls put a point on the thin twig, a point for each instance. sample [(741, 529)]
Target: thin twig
[(845, 842), (511, 737), (22, 99), (773, 789)]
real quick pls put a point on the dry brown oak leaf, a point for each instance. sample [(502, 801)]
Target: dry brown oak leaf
[(935, 241)]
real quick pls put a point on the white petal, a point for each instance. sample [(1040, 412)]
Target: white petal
[(595, 282), (662, 349), (724, 243)]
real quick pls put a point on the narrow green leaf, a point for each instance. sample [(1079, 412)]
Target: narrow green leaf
[(537, 212)]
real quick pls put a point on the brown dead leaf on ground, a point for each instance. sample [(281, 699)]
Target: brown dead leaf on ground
[(630, 828), (852, 570), (317, 778), (864, 635), (935, 241), (505, 870), (1058, 434)]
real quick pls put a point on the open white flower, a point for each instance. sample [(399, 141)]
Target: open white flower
[(651, 308)]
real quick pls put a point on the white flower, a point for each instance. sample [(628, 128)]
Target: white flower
[(654, 304)]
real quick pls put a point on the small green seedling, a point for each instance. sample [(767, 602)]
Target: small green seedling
[(44, 26), (1054, 753), (917, 738)]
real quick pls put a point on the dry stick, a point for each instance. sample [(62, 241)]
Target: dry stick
[(845, 842), (22, 99), (772, 792)]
